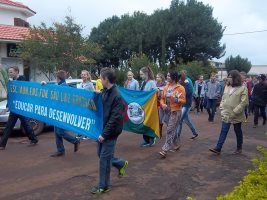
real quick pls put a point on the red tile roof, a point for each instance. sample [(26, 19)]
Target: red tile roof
[(8, 32), (15, 4)]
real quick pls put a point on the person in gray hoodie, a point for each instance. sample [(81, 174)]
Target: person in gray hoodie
[(212, 92)]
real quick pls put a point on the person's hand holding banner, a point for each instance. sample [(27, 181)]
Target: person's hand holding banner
[(100, 139)]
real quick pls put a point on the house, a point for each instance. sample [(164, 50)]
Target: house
[(220, 67), (13, 28), (257, 69), (222, 73)]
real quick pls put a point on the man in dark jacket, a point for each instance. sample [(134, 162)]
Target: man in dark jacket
[(113, 121), (13, 73), (259, 99)]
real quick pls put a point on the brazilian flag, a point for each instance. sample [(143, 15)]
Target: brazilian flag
[(141, 115)]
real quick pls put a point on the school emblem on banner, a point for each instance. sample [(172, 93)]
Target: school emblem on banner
[(142, 112)]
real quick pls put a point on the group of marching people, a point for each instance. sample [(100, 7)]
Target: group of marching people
[(175, 97), (174, 102), (236, 97)]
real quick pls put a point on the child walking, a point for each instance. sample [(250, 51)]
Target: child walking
[(112, 128)]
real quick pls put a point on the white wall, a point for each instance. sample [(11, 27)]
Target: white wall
[(9, 62), (258, 69), (37, 76), (7, 16)]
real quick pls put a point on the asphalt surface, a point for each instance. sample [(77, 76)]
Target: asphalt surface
[(28, 173)]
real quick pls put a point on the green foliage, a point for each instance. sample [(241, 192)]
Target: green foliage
[(60, 46), (254, 185), (194, 69), (185, 32), (237, 63), (137, 61), (4, 78)]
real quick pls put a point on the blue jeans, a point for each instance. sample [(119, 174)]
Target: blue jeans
[(211, 108), (105, 153), (185, 118), (60, 134), (224, 131)]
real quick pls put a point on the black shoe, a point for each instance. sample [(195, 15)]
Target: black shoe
[(237, 151), (76, 146), (98, 191), (33, 143), (57, 154), (264, 122), (2, 148), (195, 136), (214, 150)]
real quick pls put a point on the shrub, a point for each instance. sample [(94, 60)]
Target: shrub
[(254, 185)]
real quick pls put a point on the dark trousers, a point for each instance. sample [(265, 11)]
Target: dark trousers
[(148, 139), (257, 111), (199, 103), (224, 131), (211, 108), (12, 120), (105, 153), (246, 112)]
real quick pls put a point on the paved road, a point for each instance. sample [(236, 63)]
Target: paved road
[(29, 173)]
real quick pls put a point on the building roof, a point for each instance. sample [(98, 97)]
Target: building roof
[(16, 4), (8, 32)]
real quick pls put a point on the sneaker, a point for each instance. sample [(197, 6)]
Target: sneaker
[(76, 146), (57, 154), (175, 149), (255, 126), (195, 136), (163, 154), (214, 150), (98, 191), (238, 151), (2, 148), (33, 143), (144, 144), (122, 170)]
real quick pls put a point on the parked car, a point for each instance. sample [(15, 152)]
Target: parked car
[(37, 126)]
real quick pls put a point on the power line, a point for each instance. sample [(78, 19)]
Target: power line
[(242, 33)]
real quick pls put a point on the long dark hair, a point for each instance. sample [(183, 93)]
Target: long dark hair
[(175, 76), (147, 70), (236, 77)]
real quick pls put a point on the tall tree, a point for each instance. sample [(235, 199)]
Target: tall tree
[(185, 32), (237, 63), (195, 33), (60, 46)]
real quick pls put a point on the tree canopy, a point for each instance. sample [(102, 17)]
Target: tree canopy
[(60, 46), (237, 63), (185, 32)]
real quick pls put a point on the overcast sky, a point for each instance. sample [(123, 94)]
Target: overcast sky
[(236, 15)]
